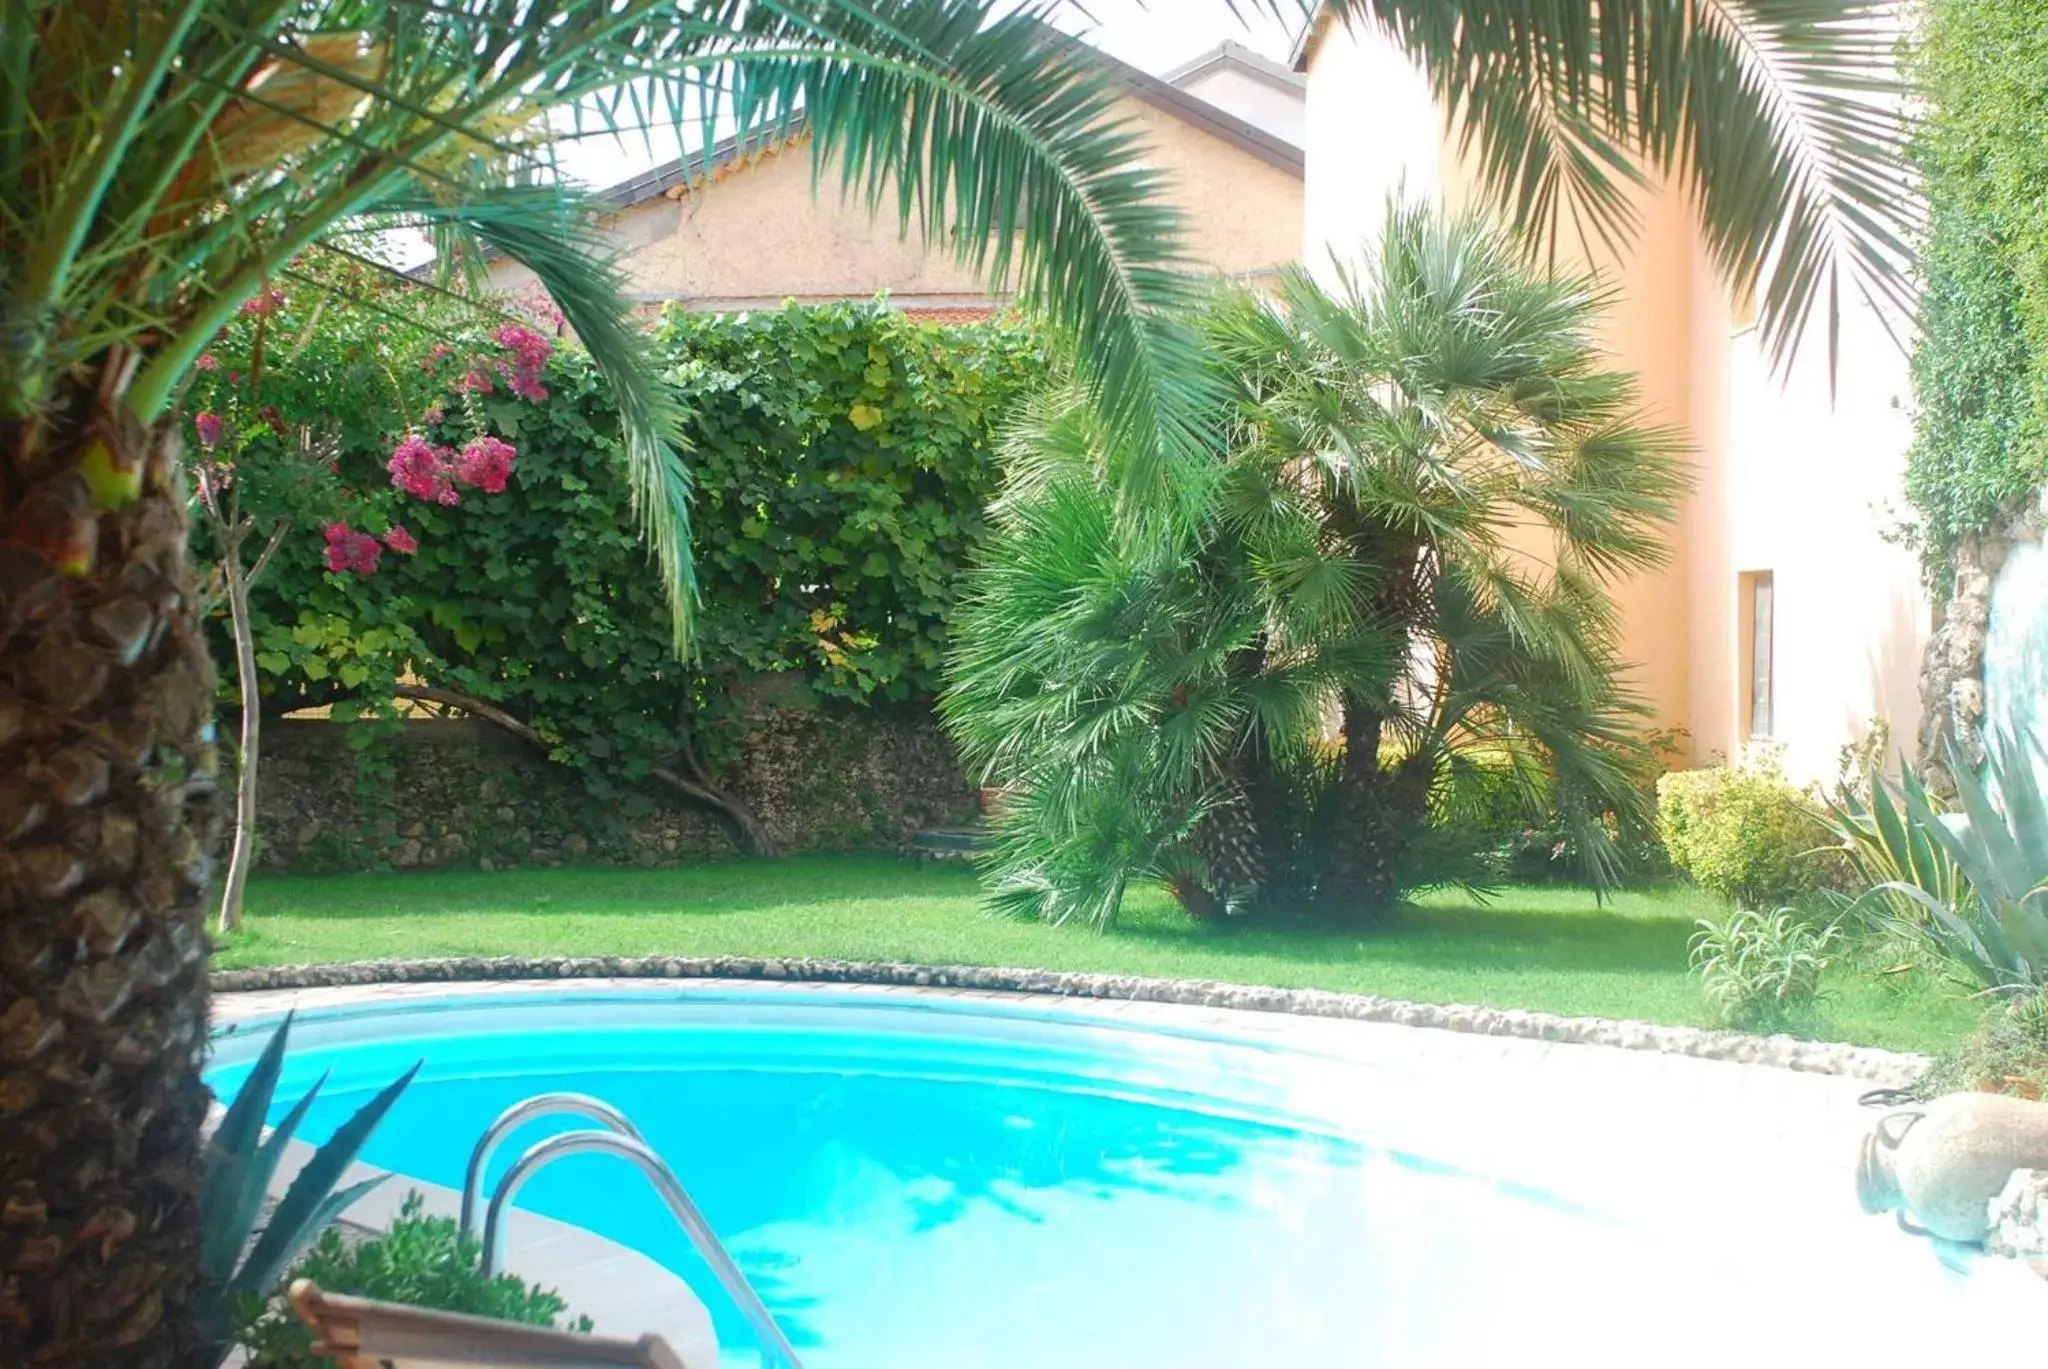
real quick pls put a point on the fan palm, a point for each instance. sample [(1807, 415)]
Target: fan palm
[(164, 162), (1426, 479)]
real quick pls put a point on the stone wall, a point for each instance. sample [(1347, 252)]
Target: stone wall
[(441, 793), (1952, 707)]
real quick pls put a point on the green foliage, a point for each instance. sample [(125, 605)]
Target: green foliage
[(1980, 367), (842, 458), (420, 1262), (2007, 1053), (1156, 706), (1870, 820), (240, 1161), (1997, 936), (1744, 833), (1761, 971)]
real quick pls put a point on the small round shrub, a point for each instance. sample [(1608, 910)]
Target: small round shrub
[(1744, 833), (421, 1261)]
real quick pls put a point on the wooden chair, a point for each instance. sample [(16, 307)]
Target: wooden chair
[(358, 1333)]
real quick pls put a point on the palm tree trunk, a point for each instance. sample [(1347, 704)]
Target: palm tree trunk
[(108, 820), (1373, 816)]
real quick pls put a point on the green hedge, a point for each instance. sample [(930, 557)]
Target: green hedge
[(843, 457)]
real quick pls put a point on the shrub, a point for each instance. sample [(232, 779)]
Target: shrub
[(1744, 833), (2008, 1053), (843, 457), (421, 1262), (1761, 971)]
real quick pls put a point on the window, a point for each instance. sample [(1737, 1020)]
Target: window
[(1758, 594)]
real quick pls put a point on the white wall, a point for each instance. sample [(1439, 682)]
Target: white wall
[(1371, 129), (1813, 484)]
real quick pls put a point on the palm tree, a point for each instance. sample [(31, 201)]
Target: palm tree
[(164, 163), (1427, 478)]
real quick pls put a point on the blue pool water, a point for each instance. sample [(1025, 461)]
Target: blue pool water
[(913, 1188)]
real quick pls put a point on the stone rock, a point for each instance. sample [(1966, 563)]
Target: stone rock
[(1940, 1164), (2018, 1218)]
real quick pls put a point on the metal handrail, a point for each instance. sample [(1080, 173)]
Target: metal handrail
[(540, 1105), (679, 1205)]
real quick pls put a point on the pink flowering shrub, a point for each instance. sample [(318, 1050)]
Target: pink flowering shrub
[(486, 463), (529, 360), (400, 540), (208, 426), (351, 551), (423, 471)]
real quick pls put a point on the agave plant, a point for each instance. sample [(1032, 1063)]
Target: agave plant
[(1873, 827), (240, 1163), (1994, 930)]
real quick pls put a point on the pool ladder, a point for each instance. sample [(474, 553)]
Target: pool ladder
[(616, 1136)]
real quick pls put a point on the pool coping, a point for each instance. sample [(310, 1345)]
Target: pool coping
[(1883, 1067)]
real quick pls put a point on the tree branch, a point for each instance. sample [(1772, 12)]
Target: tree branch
[(752, 837)]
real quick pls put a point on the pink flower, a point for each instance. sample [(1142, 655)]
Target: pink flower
[(348, 550), (485, 462), (422, 470), (530, 353), (208, 426), (207, 362), (434, 414), (441, 350), (476, 380), (267, 302), (399, 540)]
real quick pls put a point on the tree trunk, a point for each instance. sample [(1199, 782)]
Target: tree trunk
[(1373, 816), (108, 822), (250, 751)]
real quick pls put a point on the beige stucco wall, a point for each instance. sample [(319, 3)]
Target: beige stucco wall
[(1789, 480), (759, 234)]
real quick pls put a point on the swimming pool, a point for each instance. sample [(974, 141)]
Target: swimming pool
[(966, 1183)]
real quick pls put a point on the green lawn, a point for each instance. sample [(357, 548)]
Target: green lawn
[(1554, 950)]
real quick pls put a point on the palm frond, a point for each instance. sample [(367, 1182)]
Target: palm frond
[(996, 137), (1784, 119)]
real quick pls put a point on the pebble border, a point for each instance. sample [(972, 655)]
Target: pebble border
[(1888, 1068)]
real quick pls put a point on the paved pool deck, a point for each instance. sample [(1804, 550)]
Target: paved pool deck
[(1734, 1152)]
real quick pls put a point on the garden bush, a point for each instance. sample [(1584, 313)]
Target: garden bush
[(421, 1261), (1761, 971), (2008, 1053), (1743, 832), (842, 459)]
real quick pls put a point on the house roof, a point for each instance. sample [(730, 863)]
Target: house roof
[(1160, 94), (1235, 56)]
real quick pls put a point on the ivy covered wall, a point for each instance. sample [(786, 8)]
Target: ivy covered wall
[(1980, 367)]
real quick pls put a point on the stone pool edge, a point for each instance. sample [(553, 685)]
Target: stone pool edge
[(1882, 1067)]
